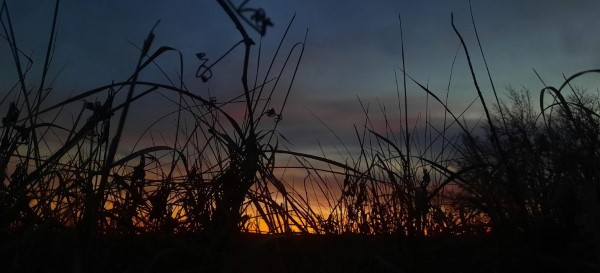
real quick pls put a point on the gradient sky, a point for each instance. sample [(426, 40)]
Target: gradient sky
[(353, 47)]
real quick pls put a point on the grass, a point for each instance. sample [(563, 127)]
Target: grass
[(519, 194)]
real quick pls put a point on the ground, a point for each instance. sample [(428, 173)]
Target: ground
[(61, 252)]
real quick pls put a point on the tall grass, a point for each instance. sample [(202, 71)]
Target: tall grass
[(216, 167), (529, 173)]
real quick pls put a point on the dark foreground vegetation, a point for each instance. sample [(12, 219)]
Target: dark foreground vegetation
[(518, 192), (289, 253)]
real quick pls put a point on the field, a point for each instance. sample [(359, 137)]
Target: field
[(517, 191), (292, 253)]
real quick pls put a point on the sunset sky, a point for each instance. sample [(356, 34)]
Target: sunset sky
[(352, 50)]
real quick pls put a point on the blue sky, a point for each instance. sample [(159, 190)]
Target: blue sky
[(352, 48)]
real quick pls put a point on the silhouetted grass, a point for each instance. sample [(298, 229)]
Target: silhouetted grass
[(415, 198)]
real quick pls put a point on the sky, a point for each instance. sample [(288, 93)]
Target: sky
[(353, 50)]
